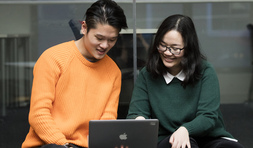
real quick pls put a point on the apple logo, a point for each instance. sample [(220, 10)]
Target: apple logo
[(123, 136)]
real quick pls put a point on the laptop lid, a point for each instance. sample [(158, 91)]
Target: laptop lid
[(128, 133)]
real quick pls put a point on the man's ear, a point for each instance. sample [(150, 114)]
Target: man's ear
[(83, 27)]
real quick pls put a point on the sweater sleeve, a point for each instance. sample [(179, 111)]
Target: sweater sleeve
[(111, 107), (208, 105), (139, 105), (46, 74)]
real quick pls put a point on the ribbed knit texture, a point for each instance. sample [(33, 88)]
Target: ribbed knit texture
[(195, 107), (69, 91)]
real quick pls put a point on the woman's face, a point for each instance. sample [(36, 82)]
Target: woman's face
[(174, 40), (98, 41)]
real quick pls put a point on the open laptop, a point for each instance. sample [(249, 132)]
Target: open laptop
[(123, 133)]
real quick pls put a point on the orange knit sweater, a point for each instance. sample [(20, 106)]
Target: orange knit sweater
[(69, 91)]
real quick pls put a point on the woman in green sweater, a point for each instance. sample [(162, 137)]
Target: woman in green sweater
[(181, 89)]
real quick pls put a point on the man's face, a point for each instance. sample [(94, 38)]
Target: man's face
[(98, 41)]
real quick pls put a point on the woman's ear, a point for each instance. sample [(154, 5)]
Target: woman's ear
[(83, 27)]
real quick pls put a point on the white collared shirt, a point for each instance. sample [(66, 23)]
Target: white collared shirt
[(169, 77)]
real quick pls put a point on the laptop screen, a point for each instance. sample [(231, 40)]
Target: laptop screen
[(123, 133)]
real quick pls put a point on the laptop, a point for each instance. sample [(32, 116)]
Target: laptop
[(123, 133)]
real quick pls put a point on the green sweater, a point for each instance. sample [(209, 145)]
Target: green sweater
[(195, 107)]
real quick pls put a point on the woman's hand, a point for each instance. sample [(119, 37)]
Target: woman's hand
[(180, 138), (139, 118)]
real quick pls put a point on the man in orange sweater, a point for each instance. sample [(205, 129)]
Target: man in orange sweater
[(76, 81)]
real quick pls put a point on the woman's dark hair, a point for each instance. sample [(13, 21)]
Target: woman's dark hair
[(191, 61), (105, 12)]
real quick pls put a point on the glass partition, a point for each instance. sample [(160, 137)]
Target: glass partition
[(221, 27)]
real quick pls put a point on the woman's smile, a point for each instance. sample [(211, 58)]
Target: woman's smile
[(169, 59)]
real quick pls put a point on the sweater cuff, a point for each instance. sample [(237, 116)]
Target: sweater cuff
[(61, 141), (189, 128)]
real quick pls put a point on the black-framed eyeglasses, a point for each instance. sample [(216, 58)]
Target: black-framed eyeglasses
[(173, 50)]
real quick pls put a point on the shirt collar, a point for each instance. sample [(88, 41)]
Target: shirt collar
[(169, 77)]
